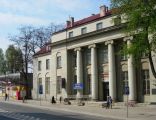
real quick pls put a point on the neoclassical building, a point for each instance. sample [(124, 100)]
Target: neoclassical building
[(86, 54)]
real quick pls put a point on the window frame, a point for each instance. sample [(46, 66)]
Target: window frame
[(47, 64), (83, 30), (39, 65), (71, 34), (58, 59), (47, 85), (99, 26)]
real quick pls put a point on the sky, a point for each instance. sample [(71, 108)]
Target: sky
[(16, 13)]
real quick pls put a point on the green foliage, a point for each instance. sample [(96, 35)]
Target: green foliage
[(14, 59), (140, 17), (2, 62)]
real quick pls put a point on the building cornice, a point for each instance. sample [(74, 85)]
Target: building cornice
[(104, 30)]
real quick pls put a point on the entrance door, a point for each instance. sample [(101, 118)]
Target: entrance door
[(105, 90)]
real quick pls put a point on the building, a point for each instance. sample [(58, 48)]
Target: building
[(86, 54)]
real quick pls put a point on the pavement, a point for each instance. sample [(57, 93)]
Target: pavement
[(118, 111)]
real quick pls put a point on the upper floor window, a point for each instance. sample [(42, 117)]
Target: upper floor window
[(83, 30), (144, 55), (99, 26), (74, 60), (103, 56), (88, 57), (47, 64), (70, 34), (39, 65), (117, 20), (124, 56), (59, 62)]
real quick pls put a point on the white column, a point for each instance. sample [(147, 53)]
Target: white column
[(79, 70), (94, 77), (131, 75), (112, 73)]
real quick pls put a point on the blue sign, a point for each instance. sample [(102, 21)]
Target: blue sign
[(40, 89), (127, 90), (78, 86)]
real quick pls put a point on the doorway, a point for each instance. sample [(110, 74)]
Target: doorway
[(105, 90)]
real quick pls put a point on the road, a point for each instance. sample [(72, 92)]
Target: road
[(18, 112)]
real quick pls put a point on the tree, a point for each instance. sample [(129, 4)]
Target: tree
[(140, 17), (29, 40), (14, 59), (2, 62)]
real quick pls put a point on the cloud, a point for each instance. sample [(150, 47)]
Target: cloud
[(9, 19)]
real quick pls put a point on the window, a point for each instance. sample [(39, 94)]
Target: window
[(59, 84), (124, 57), (117, 20), (70, 34), (47, 85), (59, 62), (88, 57), (89, 84), (99, 26), (146, 82), (84, 30), (39, 65), (47, 64), (105, 52), (125, 79), (74, 60), (103, 56), (144, 55)]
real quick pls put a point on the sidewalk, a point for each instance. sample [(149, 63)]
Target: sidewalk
[(118, 112)]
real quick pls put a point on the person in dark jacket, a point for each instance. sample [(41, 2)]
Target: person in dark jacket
[(53, 100)]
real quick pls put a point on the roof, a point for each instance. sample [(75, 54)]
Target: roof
[(94, 17), (45, 49)]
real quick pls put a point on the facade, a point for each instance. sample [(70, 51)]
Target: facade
[(86, 52), (42, 73)]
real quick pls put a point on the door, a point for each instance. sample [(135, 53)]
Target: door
[(105, 90)]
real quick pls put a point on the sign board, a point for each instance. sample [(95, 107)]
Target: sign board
[(40, 89), (78, 86), (127, 90)]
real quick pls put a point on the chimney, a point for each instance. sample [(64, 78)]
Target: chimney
[(70, 22), (103, 10)]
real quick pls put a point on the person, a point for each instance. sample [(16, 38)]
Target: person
[(107, 106), (110, 102), (53, 100), (6, 96)]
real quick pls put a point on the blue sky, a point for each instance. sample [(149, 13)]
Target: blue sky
[(14, 13)]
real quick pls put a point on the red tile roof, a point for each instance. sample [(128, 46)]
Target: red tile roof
[(87, 20), (43, 50)]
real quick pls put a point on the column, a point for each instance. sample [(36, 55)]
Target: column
[(112, 73), (131, 73), (79, 71), (94, 77)]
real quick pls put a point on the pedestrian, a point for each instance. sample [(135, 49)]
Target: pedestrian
[(60, 99), (53, 100), (110, 102), (6, 96), (107, 106)]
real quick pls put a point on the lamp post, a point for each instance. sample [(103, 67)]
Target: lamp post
[(45, 84)]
